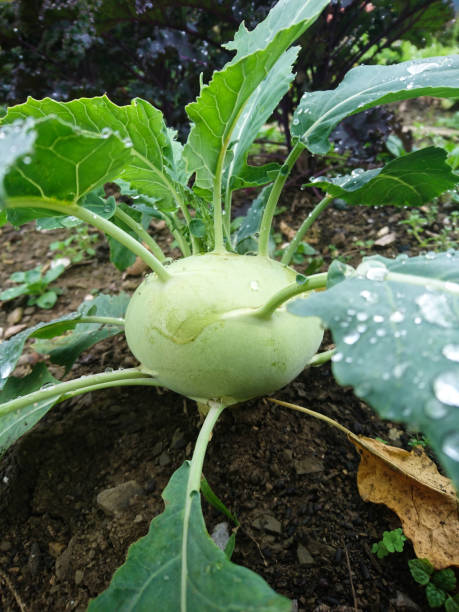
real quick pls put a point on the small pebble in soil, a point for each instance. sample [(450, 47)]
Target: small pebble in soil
[(116, 499)]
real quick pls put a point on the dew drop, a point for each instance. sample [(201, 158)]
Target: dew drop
[(361, 328), (337, 357), (400, 369), (451, 351), (446, 388), (451, 445), (418, 68), (378, 318), (396, 317), (362, 316), (369, 297), (363, 389), (435, 309), (254, 285), (351, 338), (435, 409)]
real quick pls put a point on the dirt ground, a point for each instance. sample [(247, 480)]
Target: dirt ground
[(290, 480)]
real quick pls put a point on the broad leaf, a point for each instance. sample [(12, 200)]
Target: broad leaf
[(257, 111), (64, 350), (154, 167), (411, 180), (177, 566), (221, 103), (318, 113), (11, 349), (14, 424), (401, 317), (66, 163), (245, 238), (16, 141)]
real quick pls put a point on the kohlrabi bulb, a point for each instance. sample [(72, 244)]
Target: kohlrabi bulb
[(198, 333)]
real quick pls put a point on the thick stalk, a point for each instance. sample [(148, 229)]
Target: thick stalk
[(104, 225), (320, 358), (69, 386), (134, 382), (193, 487), (219, 245), (290, 251), (316, 281), (103, 320), (141, 233), (276, 189), (182, 243)]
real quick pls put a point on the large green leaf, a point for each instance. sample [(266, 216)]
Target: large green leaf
[(64, 350), (16, 141), (257, 111), (217, 111), (66, 162), (319, 112), (396, 328), (155, 167), (411, 180), (177, 566), (14, 424), (11, 349)]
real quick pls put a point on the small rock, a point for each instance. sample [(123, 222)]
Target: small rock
[(79, 574), (14, 329), (15, 316), (157, 448), (268, 523), (138, 518), (403, 603), (55, 548), (383, 231), (308, 465), (63, 567), (386, 240), (164, 459), (220, 535), (33, 562), (304, 556), (178, 440), (5, 545), (116, 499), (137, 268)]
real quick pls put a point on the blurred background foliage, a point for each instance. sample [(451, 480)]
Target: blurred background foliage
[(156, 50)]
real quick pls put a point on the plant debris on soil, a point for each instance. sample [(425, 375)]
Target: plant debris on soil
[(85, 483)]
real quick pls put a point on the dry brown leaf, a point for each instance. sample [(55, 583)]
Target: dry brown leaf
[(409, 484)]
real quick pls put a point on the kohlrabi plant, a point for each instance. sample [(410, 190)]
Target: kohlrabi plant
[(228, 322)]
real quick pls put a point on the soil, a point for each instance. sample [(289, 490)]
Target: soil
[(290, 480)]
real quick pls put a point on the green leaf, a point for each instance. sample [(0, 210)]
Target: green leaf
[(47, 299), (436, 597), (411, 180), (452, 604), (318, 113), (445, 579), (215, 501), (401, 317), (16, 141), (198, 228), (394, 540), (257, 111), (220, 106), (380, 550), (421, 570), (251, 222), (162, 571), (64, 350), (11, 349), (66, 162), (14, 424), (153, 167)]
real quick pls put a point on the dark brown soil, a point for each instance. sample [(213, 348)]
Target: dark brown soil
[(290, 480)]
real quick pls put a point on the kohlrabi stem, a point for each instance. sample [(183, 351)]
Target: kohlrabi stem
[(103, 320), (219, 244), (316, 281), (316, 415), (141, 233), (320, 358), (129, 382), (92, 218), (276, 189), (290, 251), (69, 386), (193, 487)]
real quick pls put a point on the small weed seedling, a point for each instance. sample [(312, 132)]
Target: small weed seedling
[(392, 541), (439, 584), (228, 321), (35, 283), (78, 246)]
